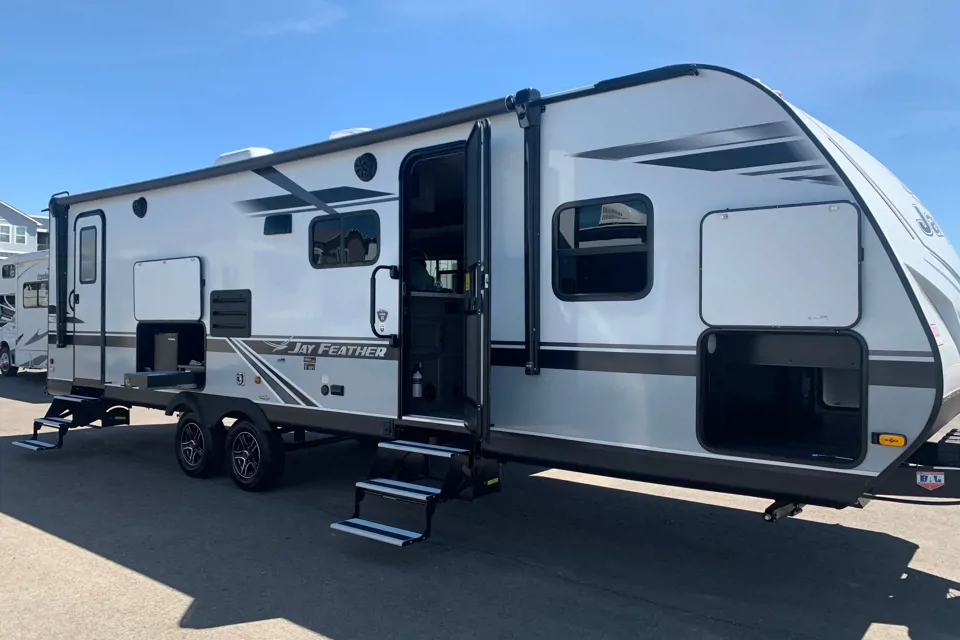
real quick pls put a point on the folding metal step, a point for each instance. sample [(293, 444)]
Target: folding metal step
[(387, 488), (76, 398), (35, 445), (379, 532), (421, 448), (52, 422), (951, 437), (402, 471)]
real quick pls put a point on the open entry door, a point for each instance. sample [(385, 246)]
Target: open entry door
[(477, 280)]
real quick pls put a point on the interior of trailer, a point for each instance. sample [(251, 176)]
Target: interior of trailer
[(433, 253), (795, 397)]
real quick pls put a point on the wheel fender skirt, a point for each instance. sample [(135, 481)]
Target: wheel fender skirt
[(211, 409)]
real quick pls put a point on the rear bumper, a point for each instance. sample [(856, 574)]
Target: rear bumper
[(932, 472)]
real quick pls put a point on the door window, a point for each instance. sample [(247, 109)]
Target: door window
[(88, 255)]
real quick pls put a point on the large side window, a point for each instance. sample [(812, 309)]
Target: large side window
[(88, 255), (602, 249), (346, 240), (35, 295)]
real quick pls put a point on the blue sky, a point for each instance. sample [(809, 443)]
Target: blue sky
[(106, 92)]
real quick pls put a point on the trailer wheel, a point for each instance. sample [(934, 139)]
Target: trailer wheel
[(199, 447), (6, 362), (256, 457)]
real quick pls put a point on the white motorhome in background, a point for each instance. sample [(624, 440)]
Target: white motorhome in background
[(674, 276), (24, 310)]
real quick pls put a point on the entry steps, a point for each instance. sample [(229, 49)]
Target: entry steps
[(401, 472), (74, 410)]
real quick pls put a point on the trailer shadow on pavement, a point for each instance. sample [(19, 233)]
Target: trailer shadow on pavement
[(27, 387), (544, 559)]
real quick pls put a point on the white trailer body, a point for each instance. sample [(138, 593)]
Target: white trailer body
[(24, 312), (675, 276)]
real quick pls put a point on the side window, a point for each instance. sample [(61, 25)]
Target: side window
[(20, 235), (9, 271), (35, 295), (5, 233), (88, 255), (350, 239), (602, 249)]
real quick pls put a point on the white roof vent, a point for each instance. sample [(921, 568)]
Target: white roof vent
[(241, 154), (343, 133)]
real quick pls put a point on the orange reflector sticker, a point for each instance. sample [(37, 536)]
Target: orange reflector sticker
[(891, 440)]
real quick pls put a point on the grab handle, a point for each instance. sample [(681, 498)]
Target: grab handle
[(394, 275)]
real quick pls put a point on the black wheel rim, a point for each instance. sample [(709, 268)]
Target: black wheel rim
[(5, 361), (246, 456), (191, 445)]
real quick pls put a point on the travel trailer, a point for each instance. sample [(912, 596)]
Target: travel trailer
[(23, 312), (674, 276)]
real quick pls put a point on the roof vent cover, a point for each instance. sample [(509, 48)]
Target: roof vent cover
[(343, 133), (241, 154)]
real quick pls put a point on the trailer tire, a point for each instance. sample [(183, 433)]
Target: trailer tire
[(6, 363), (199, 447), (255, 456)]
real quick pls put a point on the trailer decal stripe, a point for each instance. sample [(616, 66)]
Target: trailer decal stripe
[(696, 142), (284, 182), (888, 373), (282, 393), (740, 157), (340, 194), (287, 384), (812, 167), (39, 335), (666, 364), (747, 147)]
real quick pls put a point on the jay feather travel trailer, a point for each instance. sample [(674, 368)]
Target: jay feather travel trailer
[(23, 312), (674, 276)]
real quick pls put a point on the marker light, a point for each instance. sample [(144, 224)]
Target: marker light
[(889, 439)]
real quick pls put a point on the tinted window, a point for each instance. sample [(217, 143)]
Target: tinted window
[(602, 249), (88, 255), (348, 239), (35, 295), (9, 270)]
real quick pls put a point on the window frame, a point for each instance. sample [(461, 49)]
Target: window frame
[(44, 284), (8, 228), (555, 250), (341, 217), (16, 235), (96, 256), (8, 271)]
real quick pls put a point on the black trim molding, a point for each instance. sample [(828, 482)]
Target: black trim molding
[(828, 488)]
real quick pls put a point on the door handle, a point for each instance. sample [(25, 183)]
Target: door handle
[(394, 275)]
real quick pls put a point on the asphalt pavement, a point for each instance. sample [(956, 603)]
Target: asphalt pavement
[(107, 538)]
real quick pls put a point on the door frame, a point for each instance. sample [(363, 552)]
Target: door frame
[(478, 187), (102, 278), (406, 165)]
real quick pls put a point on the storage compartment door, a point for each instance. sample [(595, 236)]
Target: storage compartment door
[(167, 290), (791, 266)]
